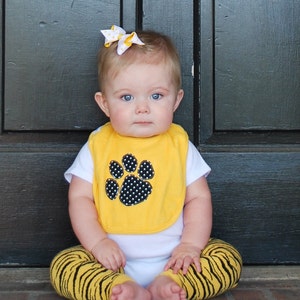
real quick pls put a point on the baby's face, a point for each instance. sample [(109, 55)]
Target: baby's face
[(140, 100)]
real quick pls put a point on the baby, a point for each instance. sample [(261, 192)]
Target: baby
[(139, 202)]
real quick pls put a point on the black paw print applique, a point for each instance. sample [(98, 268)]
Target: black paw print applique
[(135, 188)]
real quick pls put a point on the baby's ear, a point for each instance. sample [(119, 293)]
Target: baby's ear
[(178, 99), (102, 103)]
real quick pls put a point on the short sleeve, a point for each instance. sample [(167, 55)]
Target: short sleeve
[(196, 167), (82, 166)]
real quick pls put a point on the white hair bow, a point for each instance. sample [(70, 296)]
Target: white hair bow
[(117, 33)]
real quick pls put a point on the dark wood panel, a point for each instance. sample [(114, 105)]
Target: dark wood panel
[(205, 14), (256, 200), (50, 63), (255, 178), (34, 222), (129, 14), (175, 19), (1, 67), (257, 66), (255, 195)]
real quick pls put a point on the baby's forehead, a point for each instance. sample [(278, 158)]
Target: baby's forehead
[(138, 55), (140, 77), (146, 66)]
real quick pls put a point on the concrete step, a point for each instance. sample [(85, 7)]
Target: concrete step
[(257, 283)]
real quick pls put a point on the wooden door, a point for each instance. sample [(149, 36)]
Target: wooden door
[(249, 124), (241, 109)]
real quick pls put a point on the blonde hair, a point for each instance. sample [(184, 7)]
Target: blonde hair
[(158, 48)]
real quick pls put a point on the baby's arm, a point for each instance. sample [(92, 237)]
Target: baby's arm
[(197, 218), (84, 219)]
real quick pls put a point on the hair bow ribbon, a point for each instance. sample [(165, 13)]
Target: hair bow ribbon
[(117, 33)]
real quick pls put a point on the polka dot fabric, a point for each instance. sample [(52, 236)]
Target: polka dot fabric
[(135, 188)]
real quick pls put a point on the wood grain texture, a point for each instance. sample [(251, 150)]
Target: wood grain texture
[(50, 79), (34, 222), (50, 63), (1, 68), (257, 66), (256, 200), (255, 195)]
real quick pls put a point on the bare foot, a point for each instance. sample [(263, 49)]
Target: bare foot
[(164, 288), (129, 290)]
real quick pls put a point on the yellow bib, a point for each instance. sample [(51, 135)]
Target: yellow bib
[(139, 184)]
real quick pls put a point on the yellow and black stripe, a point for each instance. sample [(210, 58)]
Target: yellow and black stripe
[(75, 274), (221, 266)]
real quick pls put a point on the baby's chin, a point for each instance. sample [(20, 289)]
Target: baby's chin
[(140, 133)]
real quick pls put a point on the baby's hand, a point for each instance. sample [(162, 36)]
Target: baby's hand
[(182, 257), (109, 254)]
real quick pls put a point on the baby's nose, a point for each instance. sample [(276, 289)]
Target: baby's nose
[(142, 107)]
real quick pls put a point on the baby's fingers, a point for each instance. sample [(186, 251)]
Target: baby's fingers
[(197, 264), (178, 264), (169, 264), (186, 264), (183, 264), (113, 263), (118, 261)]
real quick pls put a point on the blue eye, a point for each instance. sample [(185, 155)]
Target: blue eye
[(127, 97), (156, 96)]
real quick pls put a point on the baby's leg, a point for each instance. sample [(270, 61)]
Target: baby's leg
[(221, 266), (75, 274), (165, 288)]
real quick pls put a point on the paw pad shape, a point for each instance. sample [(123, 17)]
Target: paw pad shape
[(135, 187)]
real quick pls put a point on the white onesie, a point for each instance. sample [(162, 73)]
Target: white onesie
[(146, 255)]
